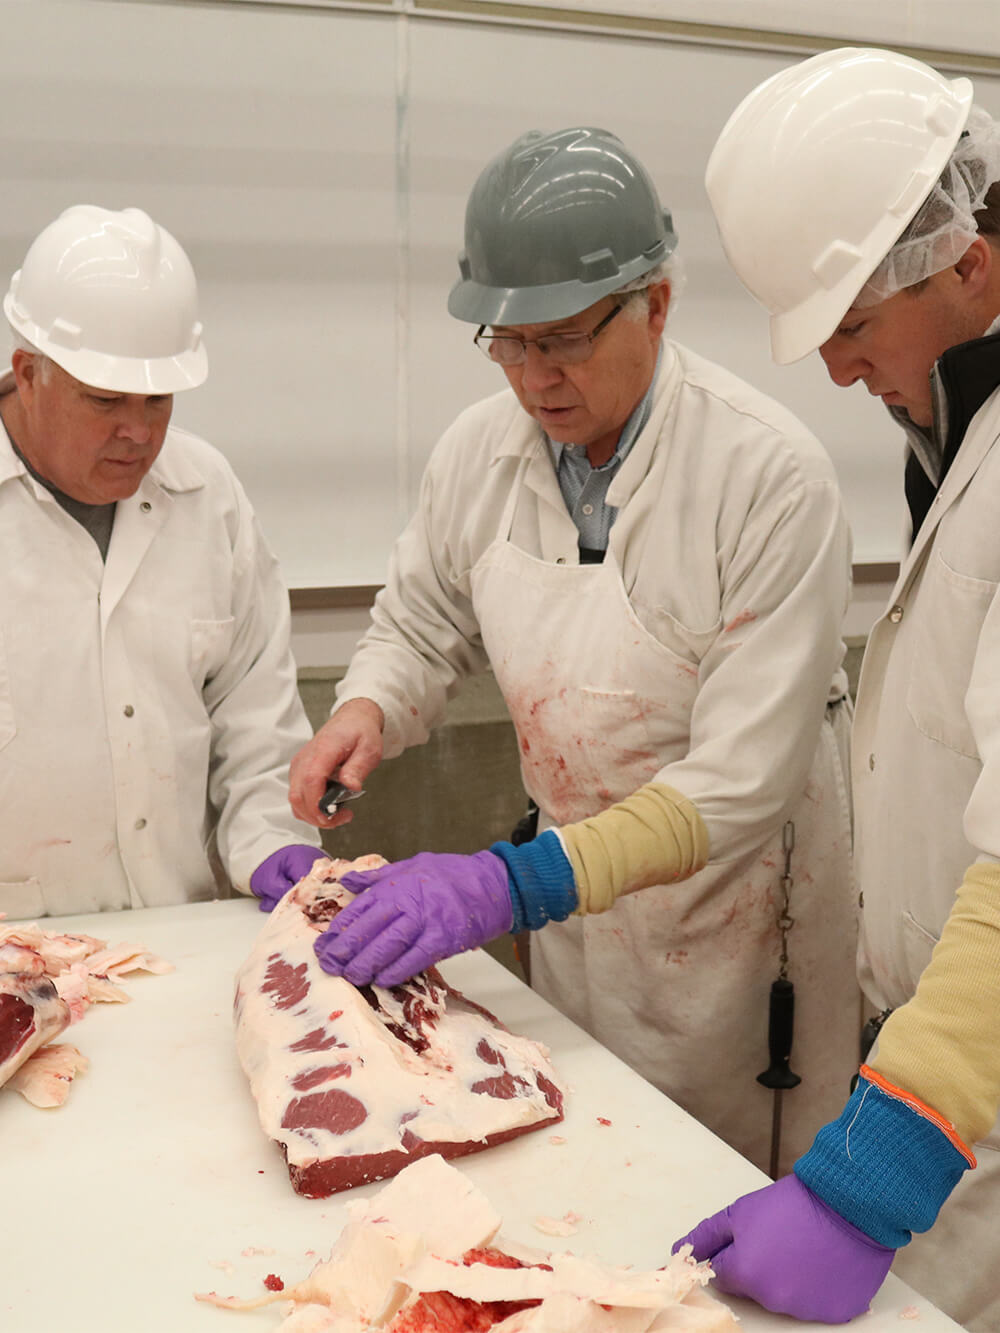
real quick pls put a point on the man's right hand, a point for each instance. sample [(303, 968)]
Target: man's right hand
[(349, 747)]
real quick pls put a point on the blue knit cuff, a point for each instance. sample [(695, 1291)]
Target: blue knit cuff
[(882, 1165), (542, 884)]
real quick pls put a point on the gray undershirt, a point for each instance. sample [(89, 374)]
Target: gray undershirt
[(585, 488), (97, 519)]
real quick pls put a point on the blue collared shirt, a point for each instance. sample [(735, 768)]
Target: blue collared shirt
[(585, 488)]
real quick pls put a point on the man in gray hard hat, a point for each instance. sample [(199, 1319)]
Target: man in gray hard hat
[(858, 198), (148, 701), (653, 560)]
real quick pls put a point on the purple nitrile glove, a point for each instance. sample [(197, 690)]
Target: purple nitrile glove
[(784, 1248), (411, 914), (281, 871)]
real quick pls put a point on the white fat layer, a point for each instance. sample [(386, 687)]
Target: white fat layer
[(395, 1247), (432, 1088)]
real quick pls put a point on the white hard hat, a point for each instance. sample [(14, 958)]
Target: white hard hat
[(112, 298), (818, 172)]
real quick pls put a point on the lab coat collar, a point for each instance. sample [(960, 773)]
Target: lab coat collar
[(970, 448), (962, 380), (173, 471)]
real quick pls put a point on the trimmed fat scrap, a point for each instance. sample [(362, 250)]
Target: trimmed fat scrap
[(49, 980), (402, 1267), (356, 1083)]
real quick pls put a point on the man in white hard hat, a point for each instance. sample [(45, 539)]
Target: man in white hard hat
[(653, 559), (148, 703), (856, 196)]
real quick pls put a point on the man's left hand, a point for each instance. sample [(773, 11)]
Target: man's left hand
[(786, 1249), (282, 871), (413, 913)]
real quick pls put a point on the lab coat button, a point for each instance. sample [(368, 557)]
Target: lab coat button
[(896, 614), (560, 559), (871, 762), (861, 899), (128, 710), (140, 823), (145, 506)]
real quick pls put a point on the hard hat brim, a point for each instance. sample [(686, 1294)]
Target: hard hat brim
[(500, 306)]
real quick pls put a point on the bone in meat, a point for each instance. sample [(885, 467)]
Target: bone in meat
[(356, 1083), (31, 1014)]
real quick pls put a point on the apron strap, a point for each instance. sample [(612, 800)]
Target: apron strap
[(506, 524)]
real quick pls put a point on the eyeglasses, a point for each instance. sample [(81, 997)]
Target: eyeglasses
[(564, 349)]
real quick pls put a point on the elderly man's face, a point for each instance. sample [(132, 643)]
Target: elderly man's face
[(95, 445), (589, 403)]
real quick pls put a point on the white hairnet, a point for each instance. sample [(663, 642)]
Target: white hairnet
[(944, 226)]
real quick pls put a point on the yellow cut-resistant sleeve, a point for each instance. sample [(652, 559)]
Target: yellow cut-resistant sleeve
[(654, 837), (944, 1045)]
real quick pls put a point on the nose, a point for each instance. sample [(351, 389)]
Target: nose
[(843, 363), (135, 422), (538, 372)]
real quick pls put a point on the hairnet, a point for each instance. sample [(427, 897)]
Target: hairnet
[(944, 226)]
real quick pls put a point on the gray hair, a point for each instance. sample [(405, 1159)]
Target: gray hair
[(669, 270), (19, 343)]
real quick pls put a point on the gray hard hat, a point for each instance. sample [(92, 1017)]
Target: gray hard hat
[(555, 222)]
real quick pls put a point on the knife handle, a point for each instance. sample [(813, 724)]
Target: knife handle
[(781, 1023)]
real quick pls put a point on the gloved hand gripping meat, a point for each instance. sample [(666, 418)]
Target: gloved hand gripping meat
[(281, 871), (818, 1244), (411, 914)]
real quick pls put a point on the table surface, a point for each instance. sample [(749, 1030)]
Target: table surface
[(155, 1181)]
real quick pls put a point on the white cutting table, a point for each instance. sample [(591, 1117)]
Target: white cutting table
[(155, 1181)]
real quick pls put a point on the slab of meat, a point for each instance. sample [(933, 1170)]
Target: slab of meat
[(356, 1083), (47, 981), (31, 1012), (407, 1267)]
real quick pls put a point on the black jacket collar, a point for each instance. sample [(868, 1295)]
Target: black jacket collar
[(965, 376)]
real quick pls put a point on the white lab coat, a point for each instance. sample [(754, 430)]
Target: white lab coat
[(926, 765), (148, 705), (724, 588)]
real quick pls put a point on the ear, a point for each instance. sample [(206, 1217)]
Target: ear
[(975, 267), (25, 371), (659, 304)]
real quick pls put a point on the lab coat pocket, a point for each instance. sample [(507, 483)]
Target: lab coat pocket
[(8, 727), (22, 899), (211, 643), (953, 608)]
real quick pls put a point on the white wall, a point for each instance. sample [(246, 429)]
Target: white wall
[(315, 162)]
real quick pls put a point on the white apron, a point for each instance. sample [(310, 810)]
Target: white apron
[(674, 979)]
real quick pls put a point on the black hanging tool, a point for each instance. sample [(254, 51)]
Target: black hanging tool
[(781, 1013)]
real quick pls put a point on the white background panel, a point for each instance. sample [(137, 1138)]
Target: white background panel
[(315, 163), (265, 140)]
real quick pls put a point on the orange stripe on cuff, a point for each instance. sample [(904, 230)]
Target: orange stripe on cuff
[(922, 1109)]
